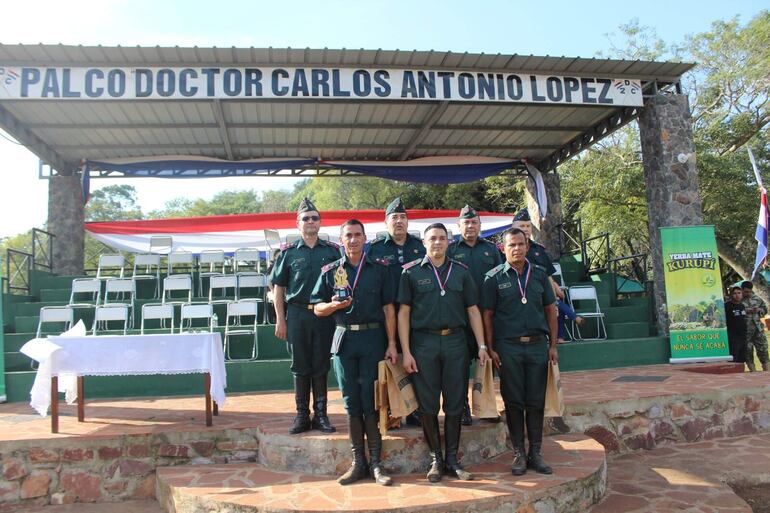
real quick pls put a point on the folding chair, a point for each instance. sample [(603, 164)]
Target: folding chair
[(292, 237), (179, 258), (323, 236), (64, 315), (228, 281), (246, 260), (110, 263), (161, 244), (586, 294), (416, 233), (103, 315), (380, 234), (208, 262), (191, 312), (272, 238), (558, 276), (251, 281), (80, 286), (158, 312), (235, 325), (121, 291), (147, 267), (180, 282)]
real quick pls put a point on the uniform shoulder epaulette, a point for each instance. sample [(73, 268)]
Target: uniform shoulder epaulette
[(495, 270), (290, 245), (461, 264), (332, 265), (377, 240), (330, 243), (411, 264)]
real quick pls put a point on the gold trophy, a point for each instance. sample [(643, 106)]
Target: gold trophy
[(341, 285)]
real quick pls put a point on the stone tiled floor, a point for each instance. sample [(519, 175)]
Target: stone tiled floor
[(578, 462), (138, 416), (687, 477)]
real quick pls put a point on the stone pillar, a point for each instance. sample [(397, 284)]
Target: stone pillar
[(547, 231), (671, 177), (66, 214)]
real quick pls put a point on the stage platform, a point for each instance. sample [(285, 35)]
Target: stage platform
[(139, 448)]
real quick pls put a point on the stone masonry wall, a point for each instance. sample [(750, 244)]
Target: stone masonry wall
[(549, 231), (65, 220)]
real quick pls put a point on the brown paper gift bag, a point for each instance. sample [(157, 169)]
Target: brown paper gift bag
[(554, 395), (483, 397), (394, 394)]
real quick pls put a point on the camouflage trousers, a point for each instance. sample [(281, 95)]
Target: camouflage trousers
[(756, 340)]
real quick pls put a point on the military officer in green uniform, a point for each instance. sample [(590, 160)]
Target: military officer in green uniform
[(357, 291), (520, 330), (294, 274), (480, 255), (438, 298), (536, 254), (395, 249)]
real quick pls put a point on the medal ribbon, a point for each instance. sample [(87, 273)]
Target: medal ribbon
[(440, 284), (358, 272), (523, 291)]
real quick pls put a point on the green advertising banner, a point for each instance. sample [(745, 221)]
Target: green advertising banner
[(2, 342), (696, 308)]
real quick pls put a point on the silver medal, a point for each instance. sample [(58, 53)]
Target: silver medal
[(524, 301), (443, 292)]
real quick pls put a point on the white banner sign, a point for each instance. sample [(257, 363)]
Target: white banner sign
[(311, 82)]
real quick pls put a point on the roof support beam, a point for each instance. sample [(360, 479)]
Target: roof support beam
[(10, 124), (187, 146), (219, 113), (432, 118)]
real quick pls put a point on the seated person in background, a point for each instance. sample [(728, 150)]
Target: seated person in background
[(735, 312)]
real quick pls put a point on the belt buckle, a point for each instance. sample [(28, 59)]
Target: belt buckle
[(525, 339), (309, 307), (446, 332), (355, 327)]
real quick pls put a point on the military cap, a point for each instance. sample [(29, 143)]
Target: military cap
[(521, 215), (306, 206), (468, 213), (396, 207)]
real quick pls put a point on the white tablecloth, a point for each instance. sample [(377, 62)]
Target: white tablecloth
[(119, 355)]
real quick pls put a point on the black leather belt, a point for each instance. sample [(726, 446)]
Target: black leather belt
[(530, 339), (301, 306), (443, 332), (361, 327)]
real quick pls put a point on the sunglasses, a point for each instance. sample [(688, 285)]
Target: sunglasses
[(310, 218)]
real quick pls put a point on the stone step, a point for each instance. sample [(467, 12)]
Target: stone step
[(578, 481), (616, 314), (628, 330), (54, 295), (16, 362), (404, 449)]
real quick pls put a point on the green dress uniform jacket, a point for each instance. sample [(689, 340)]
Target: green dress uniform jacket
[(385, 250), (297, 269), (437, 338), (538, 256), (361, 328), (520, 331)]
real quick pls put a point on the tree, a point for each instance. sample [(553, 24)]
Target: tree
[(113, 203)]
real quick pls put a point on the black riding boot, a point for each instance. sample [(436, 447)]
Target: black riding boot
[(515, 420), (467, 419), (433, 438), (320, 419), (302, 399), (452, 428), (374, 440), (535, 435), (414, 419), (357, 468)]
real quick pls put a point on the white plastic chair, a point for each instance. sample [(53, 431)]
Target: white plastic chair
[(64, 315), (121, 291), (228, 281), (103, 315), (110, 266), (158, 312), (586, 294), (179, 258), (80, 286), (161, 244), (246, 260), (211, 262), (177, 283), (191, 312), (147, 267), (235, 325)]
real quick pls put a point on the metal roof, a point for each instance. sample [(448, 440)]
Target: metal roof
[(63, 132)]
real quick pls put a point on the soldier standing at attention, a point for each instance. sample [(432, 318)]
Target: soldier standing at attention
[(480, 255), (395, 249), (520, 330), (357, 291), (755, 330), (438, 299), (294, 274)]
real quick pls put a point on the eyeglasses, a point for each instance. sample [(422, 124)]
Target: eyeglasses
[(310, 218)]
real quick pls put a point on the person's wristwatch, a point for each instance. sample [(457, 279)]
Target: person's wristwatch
[(482, 347)]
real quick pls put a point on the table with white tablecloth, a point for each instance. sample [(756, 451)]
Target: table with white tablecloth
[(65, 360)]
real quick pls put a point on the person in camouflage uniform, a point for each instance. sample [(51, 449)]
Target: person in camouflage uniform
[(755, 330)]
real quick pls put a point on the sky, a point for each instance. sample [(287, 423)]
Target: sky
[(552, 27)]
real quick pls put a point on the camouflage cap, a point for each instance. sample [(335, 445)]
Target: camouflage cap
[(522, 215), (467, 212), (395, 207), (306, 206)]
